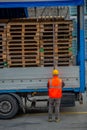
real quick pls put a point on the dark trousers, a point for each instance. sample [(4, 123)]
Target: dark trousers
[(54, 103)]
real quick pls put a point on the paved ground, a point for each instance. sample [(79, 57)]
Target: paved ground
[(39, 122), (71, 118)]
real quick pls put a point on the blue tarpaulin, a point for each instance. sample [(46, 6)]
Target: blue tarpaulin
[(36, 3)]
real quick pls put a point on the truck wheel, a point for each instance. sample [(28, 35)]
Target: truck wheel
[(8, 106)]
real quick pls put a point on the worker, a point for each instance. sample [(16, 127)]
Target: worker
[(55, 85)]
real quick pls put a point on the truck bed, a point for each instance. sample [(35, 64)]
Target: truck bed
[(27, 79)]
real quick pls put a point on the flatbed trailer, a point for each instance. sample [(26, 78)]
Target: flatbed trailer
[(31, 83)]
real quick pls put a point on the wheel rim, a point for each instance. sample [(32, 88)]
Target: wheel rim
[(5, 106)]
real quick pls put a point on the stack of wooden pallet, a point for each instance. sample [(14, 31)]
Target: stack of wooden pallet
[(63, 43), (2, 44), (37, 42), (46, 44), (56, 42), (23, 43)]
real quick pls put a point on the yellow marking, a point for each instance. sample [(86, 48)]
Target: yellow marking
[(45, 114), (74, 112)]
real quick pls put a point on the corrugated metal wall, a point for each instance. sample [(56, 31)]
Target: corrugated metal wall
[(73, 10)]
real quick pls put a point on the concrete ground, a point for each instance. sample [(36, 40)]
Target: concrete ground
[(71, 118)]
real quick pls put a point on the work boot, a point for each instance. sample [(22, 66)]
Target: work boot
[(57, 119), (50, 120)]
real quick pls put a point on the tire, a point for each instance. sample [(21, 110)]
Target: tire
[(8, 106)]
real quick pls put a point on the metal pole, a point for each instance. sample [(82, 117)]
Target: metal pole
[(35, 9)]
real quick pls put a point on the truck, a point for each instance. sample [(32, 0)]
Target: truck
[(19, 84)]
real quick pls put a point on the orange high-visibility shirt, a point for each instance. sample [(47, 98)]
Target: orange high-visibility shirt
[(55, 87)]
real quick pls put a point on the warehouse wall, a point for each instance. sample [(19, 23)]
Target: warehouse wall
[(49, 11)]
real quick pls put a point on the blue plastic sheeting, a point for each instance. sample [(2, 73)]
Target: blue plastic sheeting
[(36, 3)]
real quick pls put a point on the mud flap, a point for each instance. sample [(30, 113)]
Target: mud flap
[(68, 100)]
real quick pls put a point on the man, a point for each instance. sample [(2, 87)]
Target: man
[(55, 94)]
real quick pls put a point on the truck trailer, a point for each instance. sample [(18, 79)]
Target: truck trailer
[(26, 63)]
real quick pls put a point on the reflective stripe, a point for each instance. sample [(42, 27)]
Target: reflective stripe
[(55, 87)]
